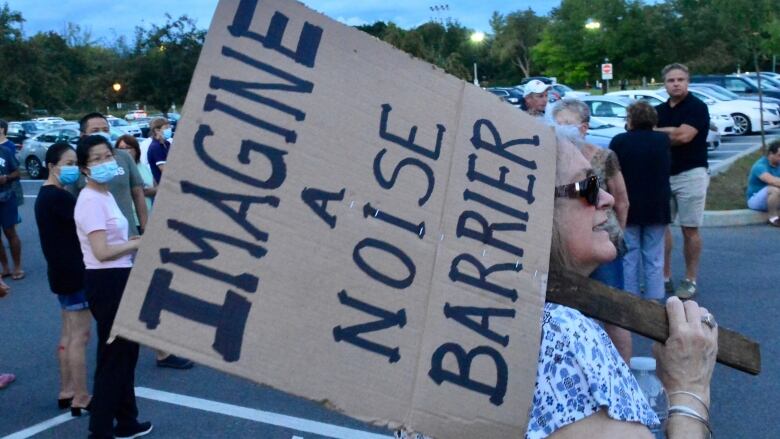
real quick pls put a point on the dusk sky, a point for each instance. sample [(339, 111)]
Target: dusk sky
[(108, 19)]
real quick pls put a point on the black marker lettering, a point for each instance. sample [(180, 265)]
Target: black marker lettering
[(376, 274), (387, 320), (246, 281), (229, 319), (409, 161), (219, 199), (462, 314), (461, 378), (499, 148), (308, 43), (317, 200), (212, 104), (481, 282), (526, 194), (274, 156), (415, 229), (485, 235), (409, 143)]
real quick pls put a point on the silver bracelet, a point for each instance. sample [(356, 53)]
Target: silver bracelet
[(694, 396), (686, 411)]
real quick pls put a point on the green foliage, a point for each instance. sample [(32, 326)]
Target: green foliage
[(72, 72)]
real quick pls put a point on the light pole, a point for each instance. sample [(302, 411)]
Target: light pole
[(593, 26), (477, 37), (117, 87)]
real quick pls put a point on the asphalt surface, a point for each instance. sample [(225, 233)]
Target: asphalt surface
[(739, 281)]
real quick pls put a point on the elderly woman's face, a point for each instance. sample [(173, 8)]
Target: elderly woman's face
[(581, 225)]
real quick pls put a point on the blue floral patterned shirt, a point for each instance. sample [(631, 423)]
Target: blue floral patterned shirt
[(579, 373)]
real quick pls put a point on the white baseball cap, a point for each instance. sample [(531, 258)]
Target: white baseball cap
[(535, 86)]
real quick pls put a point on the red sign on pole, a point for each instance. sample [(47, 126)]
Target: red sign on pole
[(606, 71)]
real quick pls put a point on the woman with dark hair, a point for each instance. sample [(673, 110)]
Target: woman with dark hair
[(54, 209), (645, 158), (108, 256), (129, 144)]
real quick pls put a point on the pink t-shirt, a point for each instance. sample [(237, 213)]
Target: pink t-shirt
[(98, 211)]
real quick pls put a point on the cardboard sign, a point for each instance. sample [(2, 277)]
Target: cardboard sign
[(345, 223)]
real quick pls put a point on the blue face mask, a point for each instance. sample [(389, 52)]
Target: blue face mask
[(167, 133), (104, 172), (68, 174)]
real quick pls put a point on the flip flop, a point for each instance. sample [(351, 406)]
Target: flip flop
[(4, 290), (6, 379), (19, 275), (5, 275)]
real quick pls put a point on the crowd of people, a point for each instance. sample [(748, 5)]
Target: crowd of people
[(90, 212), (611, 214)]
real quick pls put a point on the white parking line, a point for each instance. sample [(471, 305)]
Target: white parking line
[(235, 411), (37, 428), (261, 416)]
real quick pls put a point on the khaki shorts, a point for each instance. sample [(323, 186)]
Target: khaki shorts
[(689, 193)]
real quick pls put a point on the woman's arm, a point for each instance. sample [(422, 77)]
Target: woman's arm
[(602, 426), (105, 252), (617, 188)]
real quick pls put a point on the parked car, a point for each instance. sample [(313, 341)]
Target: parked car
[(544, 79), (49, 119), (720, 118), (33, 153), (135, 114), (739, 84), (124, 126), (745, 113), (19, 131), (612, 109), (511, 95), (600, 133), (722, 91), (566, 91), (143, 124)]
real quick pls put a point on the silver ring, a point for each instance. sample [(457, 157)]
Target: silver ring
[(708, 320)]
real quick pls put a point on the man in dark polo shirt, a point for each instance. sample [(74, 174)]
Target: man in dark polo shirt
[(686, 120)]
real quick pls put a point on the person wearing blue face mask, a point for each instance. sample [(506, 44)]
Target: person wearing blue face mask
[(160, 132), (54, 209), (128, 186), (108, 252)]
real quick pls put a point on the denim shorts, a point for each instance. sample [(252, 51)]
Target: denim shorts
[(73, 302)]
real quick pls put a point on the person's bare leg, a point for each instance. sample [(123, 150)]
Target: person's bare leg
[(772, 202), (76, 350), (16, 248), (4, 259), (621, 338), (66, 383), (668, 244), (691, 251)]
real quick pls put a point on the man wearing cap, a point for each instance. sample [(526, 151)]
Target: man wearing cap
[(534, 97)]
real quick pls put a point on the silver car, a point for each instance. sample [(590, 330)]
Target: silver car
[(124, 126), (33, 153)]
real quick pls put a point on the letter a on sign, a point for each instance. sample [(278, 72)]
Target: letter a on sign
[(345, 223)]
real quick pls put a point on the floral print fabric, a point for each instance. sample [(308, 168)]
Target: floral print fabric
[(580, 372)]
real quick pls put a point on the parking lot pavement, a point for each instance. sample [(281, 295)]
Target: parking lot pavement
[(732, 147), (738, 279)]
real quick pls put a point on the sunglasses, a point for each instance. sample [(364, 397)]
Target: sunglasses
[(587, 189)]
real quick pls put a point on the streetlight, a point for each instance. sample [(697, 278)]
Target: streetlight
[(592, 24), (476, 38), (117, 86)]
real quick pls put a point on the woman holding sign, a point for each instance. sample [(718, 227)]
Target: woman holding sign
[(583, 387), (108, 257)]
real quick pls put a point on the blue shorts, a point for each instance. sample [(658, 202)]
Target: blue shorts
[(73, 302), (9, 213)]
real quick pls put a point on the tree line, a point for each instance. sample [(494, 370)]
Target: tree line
[(69, 71)]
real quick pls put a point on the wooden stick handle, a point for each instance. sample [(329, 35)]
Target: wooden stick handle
[(645, 317)]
